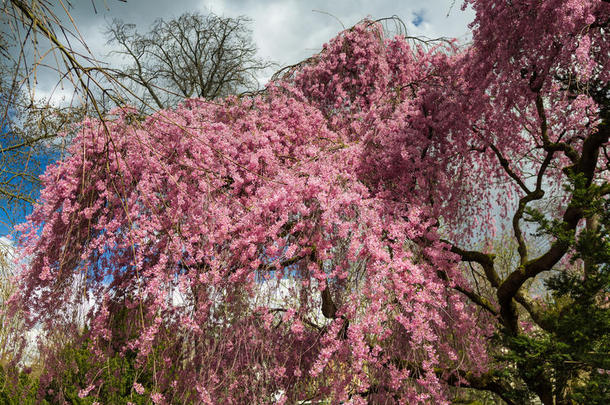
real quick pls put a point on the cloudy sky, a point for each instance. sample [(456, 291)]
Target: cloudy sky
[(285, 31)]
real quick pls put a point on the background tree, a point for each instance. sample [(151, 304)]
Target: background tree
[(194, 55), (38, 43)]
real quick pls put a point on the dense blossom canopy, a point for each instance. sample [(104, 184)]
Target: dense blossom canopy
[(290, 245)]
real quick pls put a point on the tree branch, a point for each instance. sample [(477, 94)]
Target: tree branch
[(507, 169), (486, 260), (585, 166)]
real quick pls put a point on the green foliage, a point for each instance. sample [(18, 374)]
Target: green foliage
[(575, 352), (113, 380), (17, 389), (75, 367), (114, 384)]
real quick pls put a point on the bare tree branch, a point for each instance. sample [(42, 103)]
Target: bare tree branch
[(198, 55)]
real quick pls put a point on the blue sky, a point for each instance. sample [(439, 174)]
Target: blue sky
[(418, 18), (17, 161)]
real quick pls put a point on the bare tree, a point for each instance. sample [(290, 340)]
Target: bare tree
[(38, 38), (194, 55), (31, 137), (40, 42)]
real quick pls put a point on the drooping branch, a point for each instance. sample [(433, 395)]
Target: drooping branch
[(489, 381), (549, 146), (473, 296), (505, 165), (84, 73)]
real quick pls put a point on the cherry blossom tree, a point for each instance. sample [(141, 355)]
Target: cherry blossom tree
[(364, 175)]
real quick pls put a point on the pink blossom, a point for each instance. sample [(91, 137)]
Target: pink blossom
[(138, 388), (157, 398), (85, 392)]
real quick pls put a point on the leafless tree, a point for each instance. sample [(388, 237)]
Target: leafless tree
[(32, 35), (194, 55)]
